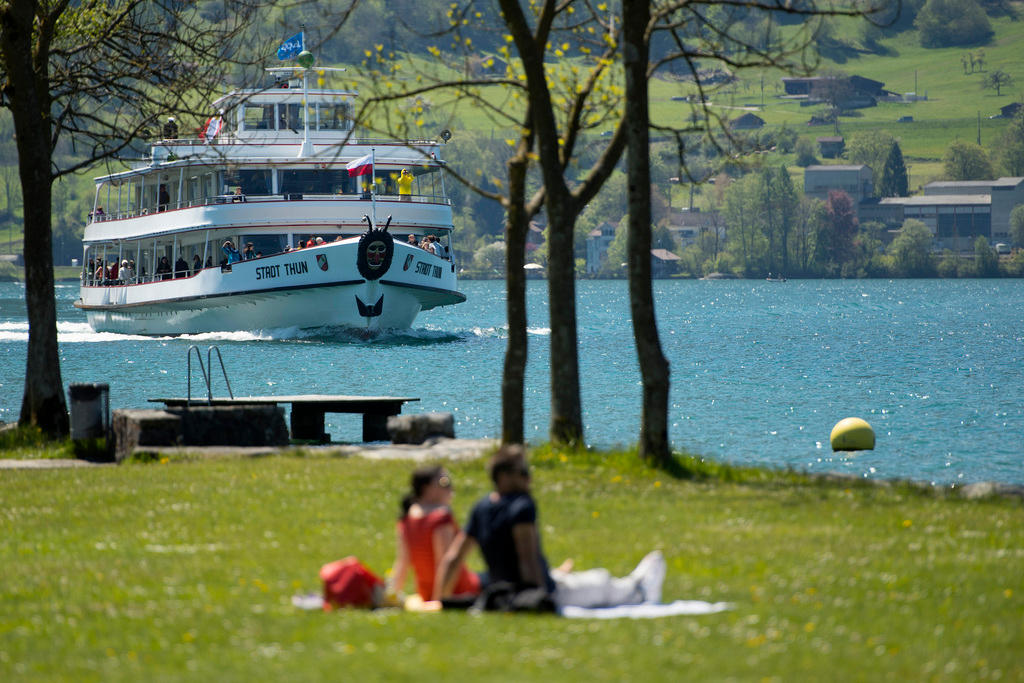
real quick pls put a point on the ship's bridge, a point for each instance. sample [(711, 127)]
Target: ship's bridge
[(280, 113)]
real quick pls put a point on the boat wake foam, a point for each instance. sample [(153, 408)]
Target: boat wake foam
[(69, 332)]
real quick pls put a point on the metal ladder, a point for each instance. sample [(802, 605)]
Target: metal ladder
[(207, 371)]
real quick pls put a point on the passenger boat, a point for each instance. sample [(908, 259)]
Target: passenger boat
[(277, 215)]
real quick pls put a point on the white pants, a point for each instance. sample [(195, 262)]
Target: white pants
[(595, 588)]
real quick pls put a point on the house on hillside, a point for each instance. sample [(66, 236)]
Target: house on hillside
[(860, 92), (686, 225), (598, 241), (663, 263), (747, 122), (831, 147), (1010, 110)]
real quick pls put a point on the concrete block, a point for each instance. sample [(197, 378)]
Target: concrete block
[(415, 429), (134, 428), (237, 425)]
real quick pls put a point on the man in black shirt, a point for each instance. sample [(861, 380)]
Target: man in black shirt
[(504, 524)]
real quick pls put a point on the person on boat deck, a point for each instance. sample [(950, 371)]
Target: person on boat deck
[(412, 240), (197, 264), (163, 268), (164, 200), (248, 253), (238, 196), (127, 271), (181, 267), (405, 185), (424, 531), (99, 271), (170, 129), (112, 271), (310, 243), (230, 253), (504, 525)]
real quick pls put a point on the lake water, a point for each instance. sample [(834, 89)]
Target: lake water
[(761, 371)]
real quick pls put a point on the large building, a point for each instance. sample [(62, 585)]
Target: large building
[(855, 180), (957, 211)]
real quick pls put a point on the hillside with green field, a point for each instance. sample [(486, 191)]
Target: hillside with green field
[(957, 104)]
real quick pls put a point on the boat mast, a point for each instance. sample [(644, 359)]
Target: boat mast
[(306, 61)]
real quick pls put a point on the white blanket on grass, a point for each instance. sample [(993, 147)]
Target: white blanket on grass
[(645, 610)]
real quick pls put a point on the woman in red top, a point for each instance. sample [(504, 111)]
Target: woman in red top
[(425, 530)]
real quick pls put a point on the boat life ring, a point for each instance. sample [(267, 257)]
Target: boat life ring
[(374, 254)]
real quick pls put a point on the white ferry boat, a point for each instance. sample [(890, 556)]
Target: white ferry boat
[(263, 222)]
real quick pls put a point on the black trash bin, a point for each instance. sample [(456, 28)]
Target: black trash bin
[(90, 410)]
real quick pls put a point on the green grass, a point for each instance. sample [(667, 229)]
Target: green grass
[(184, 570), (955, 99)]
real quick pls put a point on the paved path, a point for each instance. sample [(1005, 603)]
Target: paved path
[(433, 449), (47, 464)]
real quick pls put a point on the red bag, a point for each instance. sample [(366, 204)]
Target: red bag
[(347, 583)]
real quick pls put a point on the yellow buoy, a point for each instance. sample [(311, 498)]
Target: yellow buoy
[(852, 434)]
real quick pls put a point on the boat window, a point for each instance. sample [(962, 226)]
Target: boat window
[(333, 117), (148, 199), (258, 117), (264, 244), (427, 182), (289, 117), (252, 181), (316, 182), (194, 190), (230, 119)]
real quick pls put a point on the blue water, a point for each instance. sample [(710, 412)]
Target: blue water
[(760, 371)]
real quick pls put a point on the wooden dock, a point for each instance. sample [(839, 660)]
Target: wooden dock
[(308, 410)]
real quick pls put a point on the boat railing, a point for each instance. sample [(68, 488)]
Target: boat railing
[(259, 136), (215, 200)]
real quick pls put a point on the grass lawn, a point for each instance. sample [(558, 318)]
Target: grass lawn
[(184, 571)]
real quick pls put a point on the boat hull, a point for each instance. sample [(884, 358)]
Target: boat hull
[(315, 287)]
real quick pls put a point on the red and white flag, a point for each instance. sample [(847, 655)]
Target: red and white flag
[(361, 166), (211, 128)]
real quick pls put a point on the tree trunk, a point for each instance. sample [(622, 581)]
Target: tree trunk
[(566, 413), (654, 368), (514, 376), (43, 403)]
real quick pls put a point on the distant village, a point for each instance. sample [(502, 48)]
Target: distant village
[(955, 212)]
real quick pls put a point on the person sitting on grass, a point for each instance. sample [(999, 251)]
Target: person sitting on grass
[(424, 531), (504, 525)]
